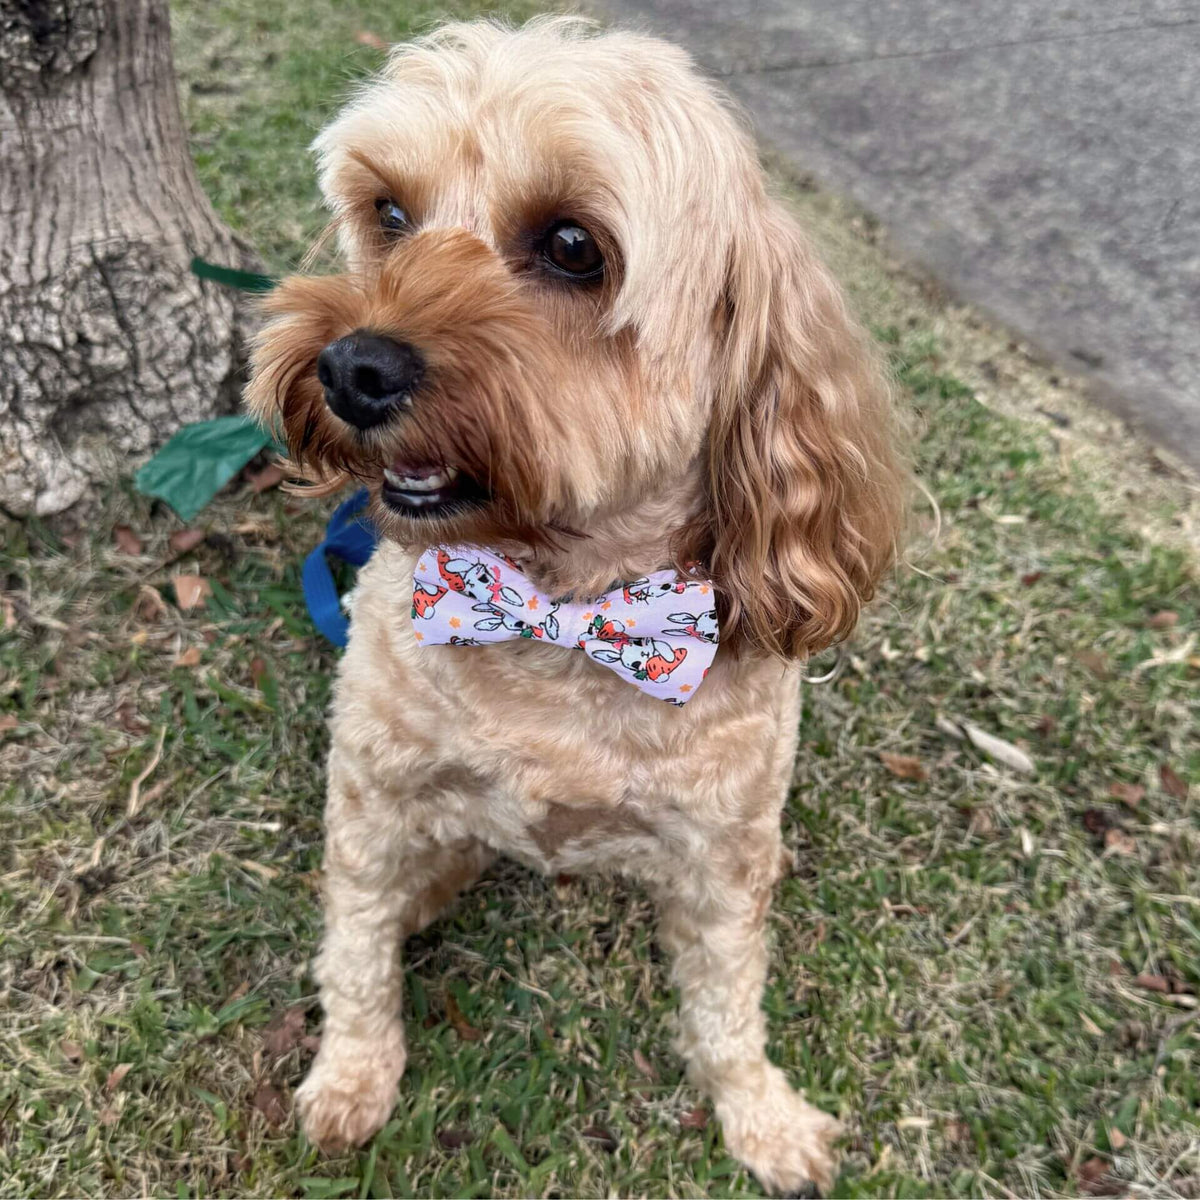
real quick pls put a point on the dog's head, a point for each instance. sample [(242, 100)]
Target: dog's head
[(569, 299)]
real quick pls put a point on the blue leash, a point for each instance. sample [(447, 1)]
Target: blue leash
[(350, 537)]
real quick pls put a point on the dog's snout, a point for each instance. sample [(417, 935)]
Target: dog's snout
[(367, 376)]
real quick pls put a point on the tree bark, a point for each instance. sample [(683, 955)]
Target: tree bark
[(107, 342)]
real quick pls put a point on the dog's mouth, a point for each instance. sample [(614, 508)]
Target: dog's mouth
[(428, 489)]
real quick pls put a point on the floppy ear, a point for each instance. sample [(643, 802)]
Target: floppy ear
[(806, 483)]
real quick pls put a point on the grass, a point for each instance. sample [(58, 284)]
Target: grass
[(956, 958)]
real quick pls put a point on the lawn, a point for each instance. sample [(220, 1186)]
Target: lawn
[(991, 976)]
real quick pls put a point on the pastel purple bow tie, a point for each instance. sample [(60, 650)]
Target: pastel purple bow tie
[(659, 633)]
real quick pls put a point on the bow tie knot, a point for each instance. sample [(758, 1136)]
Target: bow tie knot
[(659, 633)]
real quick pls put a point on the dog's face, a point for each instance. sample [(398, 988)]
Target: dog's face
[(567, 296)]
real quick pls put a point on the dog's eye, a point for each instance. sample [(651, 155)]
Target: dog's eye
[(571, 249), (391, 216)]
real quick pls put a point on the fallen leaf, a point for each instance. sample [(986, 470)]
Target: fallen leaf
[(1046, 725), (271, 1102), (272, 475), (603, 1137), (1096, 821), (128, 718), (138, 949), (191, 591), (1116, 1139), (1119, 842), (694, 1118), (364, 37), (258, 668), (1171, 783), (1028, 580), (116, 1075), (1094, 1179), (126, 540), (462, 1026), (1153, 983), (108, 1116), (8, 721), (1095, 662), (958, 1131), (189, 658), (997, 748), (150, 604), (904, 766), (183, 540), (1129, 794), (238, 992), (1163, 620), (283, 1033), (71, 1051), (454, 1139), (644, 1065), (260, 869)]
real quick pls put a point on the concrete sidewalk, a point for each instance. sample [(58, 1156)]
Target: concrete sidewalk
[(1040, 157)]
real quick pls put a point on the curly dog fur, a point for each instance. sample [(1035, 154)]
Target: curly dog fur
[(706, 401)]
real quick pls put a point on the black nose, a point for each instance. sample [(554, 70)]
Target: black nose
[(367, 376)]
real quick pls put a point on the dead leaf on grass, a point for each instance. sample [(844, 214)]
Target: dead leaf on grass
[(272, 475), (1163, 620), (1171, 783), (8, 721), (454, 1139), (462, 1026), (1096, 662), (258, 668), (284, 1032), (604, 1138), (183, 540), (644, 1065), (1096, 821), (1094, 1180), (1129, 794), (108, 1116), (904, 766), (191, 591), (271, 1102), (364, 37), (150, 604), (126, 540), (694, 1118), (115, 1076), (1116, 1139), (1119, 842), (1029, 579), (189, 658)]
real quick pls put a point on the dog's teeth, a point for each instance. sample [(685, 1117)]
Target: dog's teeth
[(424, 483)]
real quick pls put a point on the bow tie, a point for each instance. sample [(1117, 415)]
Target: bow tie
[(658, 633)]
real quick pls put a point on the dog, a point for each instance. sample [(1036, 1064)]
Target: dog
[(574, 328)]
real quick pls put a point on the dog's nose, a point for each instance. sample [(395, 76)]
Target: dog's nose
[(367, 376)]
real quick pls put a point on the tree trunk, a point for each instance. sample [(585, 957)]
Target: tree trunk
[(107, 342)]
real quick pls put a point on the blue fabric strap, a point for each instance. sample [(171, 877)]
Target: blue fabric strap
[(350, 537)]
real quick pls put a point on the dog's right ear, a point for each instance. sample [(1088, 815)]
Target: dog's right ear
[(805, 475)]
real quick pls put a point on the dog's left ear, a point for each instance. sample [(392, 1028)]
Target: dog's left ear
[(806, 482)]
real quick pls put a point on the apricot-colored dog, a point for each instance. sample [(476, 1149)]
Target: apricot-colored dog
[(574, 329)]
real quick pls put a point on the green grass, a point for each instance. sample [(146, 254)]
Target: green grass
[(954, 960)]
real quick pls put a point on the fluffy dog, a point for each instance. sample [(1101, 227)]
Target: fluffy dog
[(574, 329)]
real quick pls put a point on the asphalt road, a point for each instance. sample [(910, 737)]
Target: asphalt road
[(1040, 157)]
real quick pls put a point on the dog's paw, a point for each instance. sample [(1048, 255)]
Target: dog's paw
[(351, 1090), (784, 1140)]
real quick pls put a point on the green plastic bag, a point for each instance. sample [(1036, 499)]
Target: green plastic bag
[(200, 460)]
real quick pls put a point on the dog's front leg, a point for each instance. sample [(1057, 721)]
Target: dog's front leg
[(712, 921), (386, 876)]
